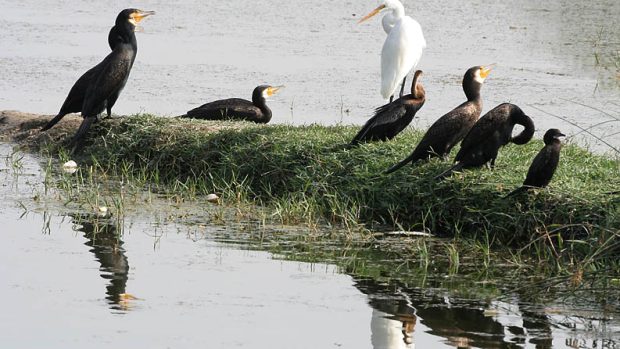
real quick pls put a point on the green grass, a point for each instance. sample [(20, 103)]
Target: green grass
[(306, 175)]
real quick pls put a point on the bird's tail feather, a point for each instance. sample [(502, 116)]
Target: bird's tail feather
[(52, 122), (457, 167), (81, 132), (516, 191), (399, 165)]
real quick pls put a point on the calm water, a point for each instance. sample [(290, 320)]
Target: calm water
[(192, 52), (72, 279)]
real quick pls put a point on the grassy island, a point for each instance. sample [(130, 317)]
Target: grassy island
[(307, 174)]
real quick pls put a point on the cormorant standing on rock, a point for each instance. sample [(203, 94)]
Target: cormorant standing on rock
[(544, 164), (99, 87), (237, 108), (490, 133), (450, 129), (390, 119)]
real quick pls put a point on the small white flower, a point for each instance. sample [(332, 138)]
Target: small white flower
[(213, 198), (102, 211), (70, 167)]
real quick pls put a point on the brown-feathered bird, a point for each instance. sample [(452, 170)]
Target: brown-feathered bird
[(99, 88), (390, 119), (450, 129), (544, 164), (491, 132), (237, 108)]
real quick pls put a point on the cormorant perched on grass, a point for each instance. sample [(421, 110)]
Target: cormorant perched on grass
[(450, 129), (390, 119), (100, 86), (544, 164), (490, 133), (237, 108)]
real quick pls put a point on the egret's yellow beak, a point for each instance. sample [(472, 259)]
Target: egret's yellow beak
[(485, 70), (372, 13), (272, 90)]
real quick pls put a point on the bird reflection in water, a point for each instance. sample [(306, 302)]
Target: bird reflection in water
[(104, 238)]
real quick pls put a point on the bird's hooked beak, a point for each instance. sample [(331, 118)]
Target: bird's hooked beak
[(138, 16), (485, 70), (372, 13), (272, 90)]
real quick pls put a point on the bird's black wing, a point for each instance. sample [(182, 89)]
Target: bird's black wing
[(75, 99), (442, 135), (110, 80), (385, 117), (481, 132), (224, 109), (543, 167)]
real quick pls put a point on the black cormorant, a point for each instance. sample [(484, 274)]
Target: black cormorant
[(237, 108), (544, 164), (390, 119), (490, 133), (99, 87), (450, 129)]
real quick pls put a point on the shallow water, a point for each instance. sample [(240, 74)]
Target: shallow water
[(73, 279), (554, 57)]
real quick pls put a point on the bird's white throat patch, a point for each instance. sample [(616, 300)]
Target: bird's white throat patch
[(478, 77)]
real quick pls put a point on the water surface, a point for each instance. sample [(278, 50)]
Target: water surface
[(148, 276)]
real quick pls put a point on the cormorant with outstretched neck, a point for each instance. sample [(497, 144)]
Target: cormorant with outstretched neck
[(390, 119), (450, 129), (544, 164), (99, 87), (491, 132), (237, 108)]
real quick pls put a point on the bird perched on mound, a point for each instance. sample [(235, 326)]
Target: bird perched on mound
[(402, 48), (544, 164), (390, 119), (237, 108), (99, 87), (491, 132), (450, 129)]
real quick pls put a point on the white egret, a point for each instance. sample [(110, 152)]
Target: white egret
[(402, 48)]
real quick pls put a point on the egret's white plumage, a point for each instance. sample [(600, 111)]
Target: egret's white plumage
[(402, 48)]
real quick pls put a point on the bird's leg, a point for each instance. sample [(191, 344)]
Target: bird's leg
[(391, 98), (402, 87), (492, 164)]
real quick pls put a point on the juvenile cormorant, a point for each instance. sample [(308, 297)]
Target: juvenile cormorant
[(390, 119), (450, 129), (99, 87), (491, 132), (237, 108), (544, 164)]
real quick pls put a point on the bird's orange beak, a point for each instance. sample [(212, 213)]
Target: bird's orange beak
[(140, 15), (485, 70), (272, 90), (372, 13)]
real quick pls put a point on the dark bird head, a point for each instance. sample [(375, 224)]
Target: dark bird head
[(552, 135), (518, 117), (473, 80), (417, 90), (262, 92), (259, 97), (133, 17)]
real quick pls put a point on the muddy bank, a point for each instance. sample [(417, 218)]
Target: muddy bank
[(24, 128)]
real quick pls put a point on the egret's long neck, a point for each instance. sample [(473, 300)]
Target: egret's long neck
[(395, 14)]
